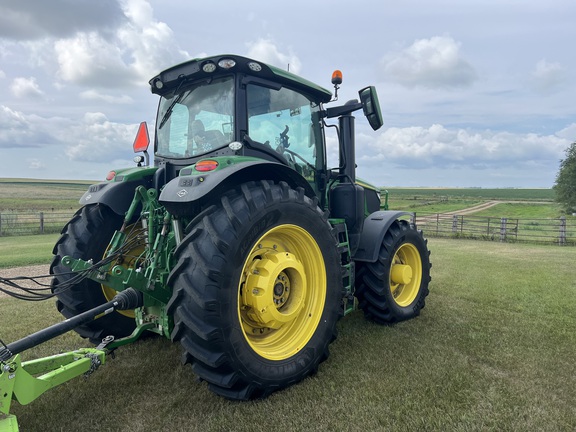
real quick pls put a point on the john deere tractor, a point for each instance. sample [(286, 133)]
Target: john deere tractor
[(238, 241)]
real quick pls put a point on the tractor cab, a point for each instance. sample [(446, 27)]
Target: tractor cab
[(230, 106), (234, 106)]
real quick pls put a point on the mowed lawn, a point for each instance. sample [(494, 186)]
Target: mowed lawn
[(494, 349)]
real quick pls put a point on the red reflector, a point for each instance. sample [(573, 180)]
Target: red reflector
[(206, 165), (111, 175)]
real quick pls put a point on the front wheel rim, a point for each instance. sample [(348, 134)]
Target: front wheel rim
[(405, 274), (282, 292)]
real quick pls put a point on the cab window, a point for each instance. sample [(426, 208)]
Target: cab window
[(289, 123)]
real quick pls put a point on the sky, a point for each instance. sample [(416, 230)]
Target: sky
[(475, 93)]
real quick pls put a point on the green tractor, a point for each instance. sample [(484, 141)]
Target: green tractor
[(239, 242)]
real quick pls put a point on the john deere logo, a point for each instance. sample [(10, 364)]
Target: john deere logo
[(181, 193)]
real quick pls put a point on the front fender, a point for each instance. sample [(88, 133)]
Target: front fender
[(373, 232), (191, 186)]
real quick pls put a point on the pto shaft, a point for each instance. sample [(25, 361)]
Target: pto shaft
[(127, 299)]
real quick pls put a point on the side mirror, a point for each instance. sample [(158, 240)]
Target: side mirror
[(141, 142), (371, 107)]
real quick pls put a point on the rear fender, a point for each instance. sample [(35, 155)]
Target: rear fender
[(117, 194), (180, 194), (375, 227)]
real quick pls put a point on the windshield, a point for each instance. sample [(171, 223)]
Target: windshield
[(196, 120)]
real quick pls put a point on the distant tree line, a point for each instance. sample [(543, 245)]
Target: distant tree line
[(565, 186)]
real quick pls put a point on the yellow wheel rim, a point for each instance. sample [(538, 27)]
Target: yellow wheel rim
[(405, 274), (282, 292), (130, 258)]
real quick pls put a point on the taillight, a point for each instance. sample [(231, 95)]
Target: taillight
[(206, 165)]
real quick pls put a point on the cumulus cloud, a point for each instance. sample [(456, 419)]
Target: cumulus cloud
[(36, 164), (112, 99), (432, 63), (138, 50), (548, 76), (150, 44), (266, 51), (109, 43), (88, 59), (438, 146), (26, 88), (569, 133), (36, 19), (96, 139), (93, 138), (20, 130)]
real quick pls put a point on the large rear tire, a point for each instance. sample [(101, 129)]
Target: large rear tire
[(257, 290), (87, 236), (394, 288)]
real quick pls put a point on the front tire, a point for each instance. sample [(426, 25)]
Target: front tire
[(257, 290), (87, 236), (394, 288)]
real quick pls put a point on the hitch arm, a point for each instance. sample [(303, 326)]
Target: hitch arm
[(27, 381), (18, 380)]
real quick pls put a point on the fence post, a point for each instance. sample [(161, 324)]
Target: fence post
[(562, 239), (0, 224), (41, 222), (454, 224), (503, 223)]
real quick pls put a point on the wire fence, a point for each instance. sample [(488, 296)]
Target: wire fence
[(560, 231), (30, 223)]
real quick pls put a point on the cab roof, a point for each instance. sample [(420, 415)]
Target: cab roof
[(202, 68)]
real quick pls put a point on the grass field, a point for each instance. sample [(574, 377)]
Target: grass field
[(429, 200), (475, 193), (523, 211), (492, 350), (26, 250), (40, 195)]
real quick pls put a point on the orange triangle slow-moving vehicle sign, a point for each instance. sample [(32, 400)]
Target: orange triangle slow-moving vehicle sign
[(142, 140)]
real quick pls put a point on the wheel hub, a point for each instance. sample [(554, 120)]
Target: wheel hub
[(405, 274), (274, 290), (401, 274)]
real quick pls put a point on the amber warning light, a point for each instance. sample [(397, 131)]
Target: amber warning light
[(336, 77), (336, 80)]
